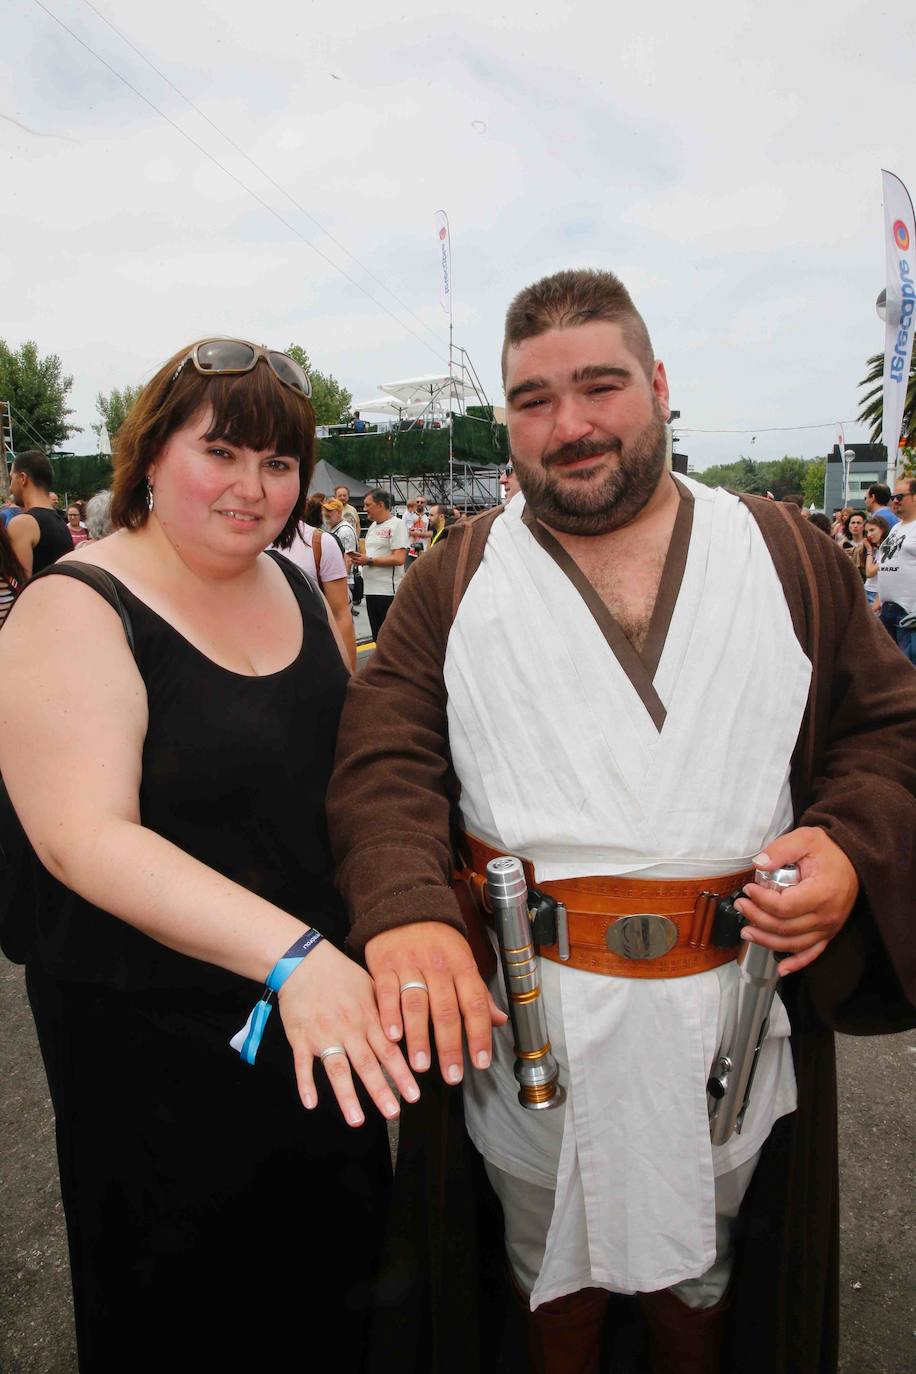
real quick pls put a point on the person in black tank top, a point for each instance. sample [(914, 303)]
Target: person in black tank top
[(43, 538), (216, 1208)]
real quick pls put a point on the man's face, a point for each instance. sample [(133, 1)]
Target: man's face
[(586, 427), (375, 510), (870, 501), (342, 494), (902, 503), (17, 487)]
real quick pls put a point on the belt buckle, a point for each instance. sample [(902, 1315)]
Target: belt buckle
[(644, 935)]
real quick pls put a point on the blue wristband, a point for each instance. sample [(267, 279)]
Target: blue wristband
[(248, 1039)]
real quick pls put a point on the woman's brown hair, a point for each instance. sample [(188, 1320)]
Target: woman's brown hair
[(251, 409)]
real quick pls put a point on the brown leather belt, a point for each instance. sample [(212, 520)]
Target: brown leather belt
[(598, 936)]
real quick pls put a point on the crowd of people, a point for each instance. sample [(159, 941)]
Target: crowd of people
[(245, 824)]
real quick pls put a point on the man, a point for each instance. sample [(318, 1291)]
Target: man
[(631, 677), (508, 482), (383, 562), (42, 537), (350, 514), (336, 524), (897, 569), (877, 500)]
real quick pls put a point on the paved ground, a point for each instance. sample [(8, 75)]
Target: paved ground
[(879, 1238)]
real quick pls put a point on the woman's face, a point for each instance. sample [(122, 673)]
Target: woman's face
[(214, 497), (856, 525), (73, 517), (873, 534)]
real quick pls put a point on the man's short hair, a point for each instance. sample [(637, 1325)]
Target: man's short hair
[(880, 491), (382, 497), (36, 466), (578, 297)]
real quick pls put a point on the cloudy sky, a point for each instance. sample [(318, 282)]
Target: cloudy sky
[(271, 170)]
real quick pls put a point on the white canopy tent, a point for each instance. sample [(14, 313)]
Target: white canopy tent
[(439, 389), (386, 406)]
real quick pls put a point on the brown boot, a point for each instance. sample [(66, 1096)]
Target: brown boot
[(564, 1336), (682, 1339)]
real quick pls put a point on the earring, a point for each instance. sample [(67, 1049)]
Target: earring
[(150, 499)]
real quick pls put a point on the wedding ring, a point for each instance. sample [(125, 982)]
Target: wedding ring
[(331, 1049), (415, 983)]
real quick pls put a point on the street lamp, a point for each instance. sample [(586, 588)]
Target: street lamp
[(849, 458)]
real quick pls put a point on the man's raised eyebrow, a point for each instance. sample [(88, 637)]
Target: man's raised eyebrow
[(595, 371), (530, 384)]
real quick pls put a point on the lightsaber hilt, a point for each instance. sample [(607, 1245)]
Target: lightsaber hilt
[(535, 1067), (732, 1079)]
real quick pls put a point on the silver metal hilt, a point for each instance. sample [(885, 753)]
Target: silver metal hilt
[(535, 1067), (732, 1079)]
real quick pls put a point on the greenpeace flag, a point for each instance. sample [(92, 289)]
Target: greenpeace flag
[(443, 238), (900, 243)]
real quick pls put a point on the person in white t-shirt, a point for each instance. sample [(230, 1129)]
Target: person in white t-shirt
[(897, 569), (383, 562)]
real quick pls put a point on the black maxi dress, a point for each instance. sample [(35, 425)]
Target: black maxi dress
[(213, 1223)]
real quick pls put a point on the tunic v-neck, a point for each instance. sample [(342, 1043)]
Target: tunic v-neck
[(640, 668)]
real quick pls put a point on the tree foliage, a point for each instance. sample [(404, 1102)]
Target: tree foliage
[(330, 400), (37, 391), (872, 412), (115, 408), (785, 476)]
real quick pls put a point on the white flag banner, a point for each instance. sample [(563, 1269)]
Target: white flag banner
[(841, 441), (443, 238), (900, 244)]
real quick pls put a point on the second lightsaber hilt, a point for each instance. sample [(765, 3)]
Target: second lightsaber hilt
[(732, 1078), (535, 1067)]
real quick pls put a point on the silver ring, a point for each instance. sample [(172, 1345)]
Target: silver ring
[(415, 983), (331, 1049)]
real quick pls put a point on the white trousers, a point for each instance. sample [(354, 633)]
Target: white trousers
[(528, 1208)]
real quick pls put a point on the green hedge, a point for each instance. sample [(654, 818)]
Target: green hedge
[(80, 476), (415, 451)]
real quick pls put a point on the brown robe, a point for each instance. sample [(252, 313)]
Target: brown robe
[(390, 810)]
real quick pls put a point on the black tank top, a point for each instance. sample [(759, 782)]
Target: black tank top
[(54, 538), (235, 770)]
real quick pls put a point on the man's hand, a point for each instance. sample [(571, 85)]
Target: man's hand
[(802, 919), (434, 954)]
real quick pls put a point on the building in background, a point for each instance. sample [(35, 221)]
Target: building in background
[(868, 465)]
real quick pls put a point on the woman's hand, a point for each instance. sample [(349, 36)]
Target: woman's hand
[(330, 1001)]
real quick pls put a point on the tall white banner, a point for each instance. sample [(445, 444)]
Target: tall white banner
[(900, 245), (443, 238)]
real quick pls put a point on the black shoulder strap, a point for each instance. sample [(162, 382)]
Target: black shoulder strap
[(100, 581), (292, 572)]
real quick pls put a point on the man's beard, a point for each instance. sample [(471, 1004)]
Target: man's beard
[(575, 504)]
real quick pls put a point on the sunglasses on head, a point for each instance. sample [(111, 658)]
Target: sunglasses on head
[(232, 357)]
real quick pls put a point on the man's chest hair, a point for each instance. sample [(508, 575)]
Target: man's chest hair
[(627, 582)]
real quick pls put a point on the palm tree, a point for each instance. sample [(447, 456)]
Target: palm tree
[(872, 411)]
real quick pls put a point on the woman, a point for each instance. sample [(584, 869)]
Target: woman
[(876, 531), (98, 515), (74, 524), (319, 555), (856, 547), (216, 1211), (12, 575)]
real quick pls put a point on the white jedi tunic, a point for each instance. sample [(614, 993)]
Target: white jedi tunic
[(559, 761)]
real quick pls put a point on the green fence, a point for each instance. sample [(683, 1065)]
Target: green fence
[(415, 451)]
